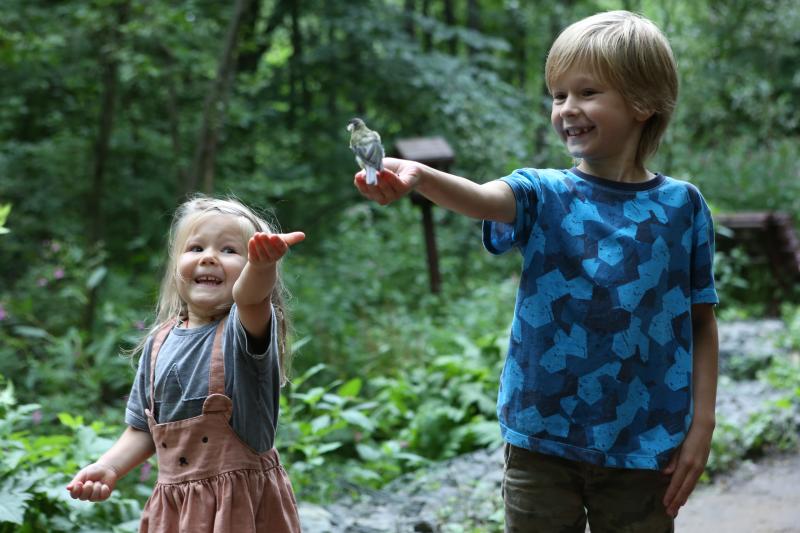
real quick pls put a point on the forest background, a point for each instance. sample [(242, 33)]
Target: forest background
[(111, 111)]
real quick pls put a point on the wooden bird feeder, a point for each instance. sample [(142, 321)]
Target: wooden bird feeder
[(436, 153)]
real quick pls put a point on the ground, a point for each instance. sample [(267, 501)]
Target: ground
[(756, 498)]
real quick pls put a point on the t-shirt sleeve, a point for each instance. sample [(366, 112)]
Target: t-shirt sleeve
[(246, 345), (499, 237), (138, 399), (702, 267)]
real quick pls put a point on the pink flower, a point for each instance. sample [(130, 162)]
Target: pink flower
[(140, 325), (54, 246), (36, 417), (41, 282), (144, 472), (58, 273), (3, 314)]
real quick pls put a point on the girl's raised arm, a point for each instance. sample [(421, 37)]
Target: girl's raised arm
[(254, 286)]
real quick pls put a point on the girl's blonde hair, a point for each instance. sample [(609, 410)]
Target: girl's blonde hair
[(631, 54), (170, 306)]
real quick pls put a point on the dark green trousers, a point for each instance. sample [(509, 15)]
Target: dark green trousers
[(547, 494)]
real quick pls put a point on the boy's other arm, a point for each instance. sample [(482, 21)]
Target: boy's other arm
[(96, 481), (688, 462), (488, 201)]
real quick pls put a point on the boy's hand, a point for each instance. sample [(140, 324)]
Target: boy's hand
[(93, 483), (397, 179), (685, 466), (266, 249)]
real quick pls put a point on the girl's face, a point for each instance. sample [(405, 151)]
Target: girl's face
[(595, 122), (209, 264)]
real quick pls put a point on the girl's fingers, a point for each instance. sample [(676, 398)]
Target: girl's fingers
[(294, 237), (270, 247)]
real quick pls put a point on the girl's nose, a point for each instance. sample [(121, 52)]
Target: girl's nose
[(209, 256)]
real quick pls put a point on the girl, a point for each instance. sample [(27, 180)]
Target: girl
[(206, 393)]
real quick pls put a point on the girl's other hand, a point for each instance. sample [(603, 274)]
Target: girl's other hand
[(266, 249), (397, 179), (93, 483)]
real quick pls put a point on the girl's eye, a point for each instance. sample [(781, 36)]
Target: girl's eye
[(589, 92), (558, 97), (196, 248), (230, 250)]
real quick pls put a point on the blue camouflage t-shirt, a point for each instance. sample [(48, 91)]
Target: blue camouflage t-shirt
[(599, 367)]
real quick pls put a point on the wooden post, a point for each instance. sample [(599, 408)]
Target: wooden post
[(434, 152)]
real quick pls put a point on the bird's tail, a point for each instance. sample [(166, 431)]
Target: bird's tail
[(372, 176)]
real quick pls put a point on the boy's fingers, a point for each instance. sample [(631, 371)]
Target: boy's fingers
[(670, 468)]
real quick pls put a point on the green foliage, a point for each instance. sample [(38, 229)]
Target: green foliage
[(5, 209), (775, 425), (390, 376), (39, 460)]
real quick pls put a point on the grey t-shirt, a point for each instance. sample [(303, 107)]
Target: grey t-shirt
[(252, 380)]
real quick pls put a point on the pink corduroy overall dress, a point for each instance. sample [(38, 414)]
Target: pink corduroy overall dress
[(209, 480)]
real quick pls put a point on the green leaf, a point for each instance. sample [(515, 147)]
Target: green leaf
[(368, 453), (31, 332), (328, 447), (321, 422), (13, 502), (358, 419), (96, 277), (351, 388)]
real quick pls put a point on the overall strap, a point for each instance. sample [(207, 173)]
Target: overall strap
[(158, 340), (216, 367)]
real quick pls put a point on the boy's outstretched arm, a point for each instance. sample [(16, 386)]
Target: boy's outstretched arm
[(252, 290), (688, 462), (489, 201), (96, 481)]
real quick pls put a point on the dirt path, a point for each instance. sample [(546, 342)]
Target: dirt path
[(756, 498)]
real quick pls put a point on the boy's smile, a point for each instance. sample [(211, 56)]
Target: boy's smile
[(595, 123)]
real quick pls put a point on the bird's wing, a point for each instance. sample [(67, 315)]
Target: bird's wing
[(370, 151)]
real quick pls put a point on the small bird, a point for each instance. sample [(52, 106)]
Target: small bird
[(366, 144)]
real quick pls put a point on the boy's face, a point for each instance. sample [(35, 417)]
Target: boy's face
[(595, 122)]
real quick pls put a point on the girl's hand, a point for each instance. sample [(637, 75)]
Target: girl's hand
[(685, 466), (266, 249), (397, 179), (93, 483)]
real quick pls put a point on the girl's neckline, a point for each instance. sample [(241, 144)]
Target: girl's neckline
[(180, 329), (657, 180)]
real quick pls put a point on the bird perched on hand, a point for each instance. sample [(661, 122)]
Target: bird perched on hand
[(366, 144)]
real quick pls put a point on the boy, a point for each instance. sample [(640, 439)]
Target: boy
[(607, 396)]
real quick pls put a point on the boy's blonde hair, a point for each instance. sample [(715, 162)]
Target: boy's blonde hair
[(170, 306), (631, 54)]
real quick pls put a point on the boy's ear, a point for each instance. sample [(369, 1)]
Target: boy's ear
[(642, 115)]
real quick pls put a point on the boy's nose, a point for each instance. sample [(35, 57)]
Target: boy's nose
[(569, 107)]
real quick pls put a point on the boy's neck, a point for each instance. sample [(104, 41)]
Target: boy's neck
[(622, 174)]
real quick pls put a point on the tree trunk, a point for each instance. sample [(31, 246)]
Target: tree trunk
[(473, 19), (450, 20), (214, 106), (297, 81), (109, 67), (427, 41), (408, 12)]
